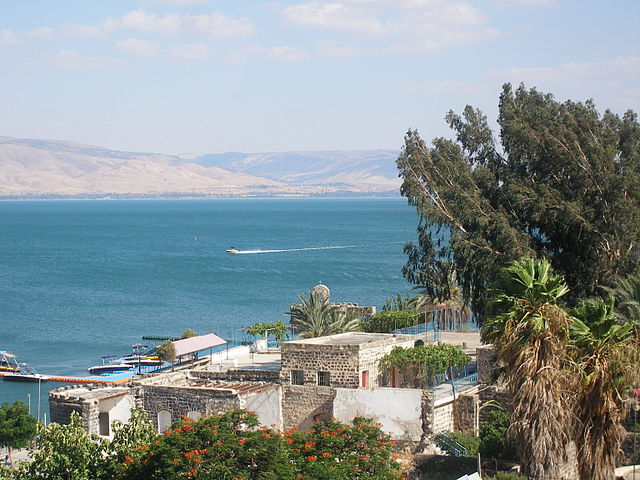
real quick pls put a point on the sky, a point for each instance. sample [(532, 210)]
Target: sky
[(207, 76)]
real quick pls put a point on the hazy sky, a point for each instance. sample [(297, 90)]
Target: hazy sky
[(196, 76)]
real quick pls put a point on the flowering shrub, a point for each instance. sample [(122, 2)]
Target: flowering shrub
[(232, 447)]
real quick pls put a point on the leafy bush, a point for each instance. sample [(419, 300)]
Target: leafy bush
[(470, 442), (397, 303), (508, 476), (277, 329), (426, 360), (388, 321), (493, 436), (229, 446)]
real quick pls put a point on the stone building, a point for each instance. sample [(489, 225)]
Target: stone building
[(98, 407)]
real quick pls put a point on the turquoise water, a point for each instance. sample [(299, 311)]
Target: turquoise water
[(82, 279)]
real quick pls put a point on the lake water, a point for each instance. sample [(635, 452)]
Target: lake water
[(82, 279)]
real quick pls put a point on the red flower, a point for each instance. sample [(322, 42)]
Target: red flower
[(311, 458), (241, 441), (128, 459)]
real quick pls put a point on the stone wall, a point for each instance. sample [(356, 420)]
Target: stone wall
[(370, 355), (464, 413), (341, 361), (239, 375), (302, 404), (182, 400), (486, 357)]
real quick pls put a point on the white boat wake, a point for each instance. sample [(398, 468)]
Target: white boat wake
[(252, 252)]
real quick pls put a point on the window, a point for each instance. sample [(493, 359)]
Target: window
[(297, 377), (323, 379)]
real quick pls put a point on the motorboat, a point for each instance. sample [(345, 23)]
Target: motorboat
[(20, 377), (8, 363), (111, 368), (233, 251)]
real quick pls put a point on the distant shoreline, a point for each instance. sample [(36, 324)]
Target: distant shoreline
[(179, 196)]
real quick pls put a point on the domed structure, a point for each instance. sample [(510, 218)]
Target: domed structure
[(321, 290)]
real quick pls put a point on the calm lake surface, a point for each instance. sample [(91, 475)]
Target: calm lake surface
[(82, 279)]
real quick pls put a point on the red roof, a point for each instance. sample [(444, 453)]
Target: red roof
[(196, 344)]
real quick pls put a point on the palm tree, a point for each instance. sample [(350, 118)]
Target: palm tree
[(606, 357), (441, 295), (627, 295), (530, 334), (316, 317)]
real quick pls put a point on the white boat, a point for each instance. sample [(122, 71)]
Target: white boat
[(233, 251)]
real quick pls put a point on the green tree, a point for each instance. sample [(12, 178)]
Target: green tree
[(606, 356), (397, 303), (130, 441), (278, 329), (188, 333), (390, 320), (530, 333), (17, 427), (166, 351), (422, 363), (66, 452), (316, 317), (494, 441), (627, 294), (564, 184)]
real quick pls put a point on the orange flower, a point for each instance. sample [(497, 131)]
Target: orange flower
[(311, 458), (241, 441), (326, 454), (128, 459)]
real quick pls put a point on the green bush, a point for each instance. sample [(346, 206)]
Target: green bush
[(508, 476), (388, 321), (470, 442), (493, 436)]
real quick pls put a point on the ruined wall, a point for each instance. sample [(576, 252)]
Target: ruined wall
[(239, 375), (182, 400), (464, 413), (302, 404), (486, 357)]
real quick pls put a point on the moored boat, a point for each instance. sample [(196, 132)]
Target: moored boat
[(8, 363)]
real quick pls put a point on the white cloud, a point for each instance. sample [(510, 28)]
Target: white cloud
[(398, 26), (137, 46), (213, 24), (527, 3), (612, 83), (175, 2), (74, 59), (334, 16), (7, 37), (41, 33), (193, 51), (593, 72), (331, 49), (287, 54)]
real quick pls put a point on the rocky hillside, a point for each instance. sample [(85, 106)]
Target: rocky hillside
[(30, 167)]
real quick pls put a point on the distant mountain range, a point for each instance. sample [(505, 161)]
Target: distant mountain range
[(51, 168)]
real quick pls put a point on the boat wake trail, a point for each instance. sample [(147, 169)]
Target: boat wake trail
[(254, 252)]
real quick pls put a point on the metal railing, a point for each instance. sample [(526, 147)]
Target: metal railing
[(449, 445)]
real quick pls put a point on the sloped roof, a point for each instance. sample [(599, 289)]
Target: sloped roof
[(196, 344)]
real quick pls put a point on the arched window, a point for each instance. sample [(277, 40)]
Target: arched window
[(164, 420)]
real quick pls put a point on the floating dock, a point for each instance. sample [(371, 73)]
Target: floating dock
[(110, 379)]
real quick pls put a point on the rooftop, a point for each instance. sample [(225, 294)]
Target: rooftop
[(349, 338)]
